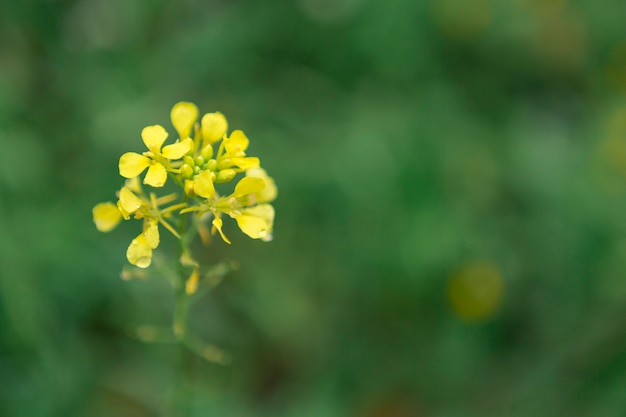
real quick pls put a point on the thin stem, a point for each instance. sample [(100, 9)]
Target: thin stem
[(181, 314)]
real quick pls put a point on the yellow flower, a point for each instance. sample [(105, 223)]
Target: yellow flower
[(235, 147), (106, 216), (156, 159), (255, 220), (132, 201)]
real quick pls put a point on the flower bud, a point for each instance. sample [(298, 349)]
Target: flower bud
[(212, 164), (207, 152), (186, 171), (199, 160), (188, 160), (189, 188), (225, 175)]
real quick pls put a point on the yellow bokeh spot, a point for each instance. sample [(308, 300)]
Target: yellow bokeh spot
[(462, 20), (475, 291), (191, 285)]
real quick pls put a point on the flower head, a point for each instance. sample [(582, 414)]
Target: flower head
[(157, 160), (133, 202), (202, 161)]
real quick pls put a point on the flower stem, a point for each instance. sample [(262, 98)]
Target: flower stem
[(182, 400)]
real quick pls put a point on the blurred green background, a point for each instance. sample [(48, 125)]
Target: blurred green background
[(450, 237)]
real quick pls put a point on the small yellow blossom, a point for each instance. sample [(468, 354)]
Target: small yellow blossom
[(254, 219), (235, 147), (156, 159)]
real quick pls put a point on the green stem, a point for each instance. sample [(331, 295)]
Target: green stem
[(181, 315)]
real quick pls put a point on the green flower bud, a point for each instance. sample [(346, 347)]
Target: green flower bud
[(225, 175), (212, 164), (199, 160)]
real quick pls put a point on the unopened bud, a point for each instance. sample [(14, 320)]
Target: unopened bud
[(207, 152), (199, 160), (211, 165), (189, 188), (186, 171), (225, 175), (188, 160)]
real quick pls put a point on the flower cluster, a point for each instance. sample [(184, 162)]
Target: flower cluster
[(204, 155)]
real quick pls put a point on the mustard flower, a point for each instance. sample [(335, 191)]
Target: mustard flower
[(107, 215), (205, 154), (234, 153), (248, 206), (156, 159)]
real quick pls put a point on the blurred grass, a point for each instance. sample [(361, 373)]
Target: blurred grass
[(409, 140)]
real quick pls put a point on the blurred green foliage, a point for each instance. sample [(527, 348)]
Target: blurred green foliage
[(410, 140)]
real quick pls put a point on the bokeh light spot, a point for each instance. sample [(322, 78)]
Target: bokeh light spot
[(475, 291)]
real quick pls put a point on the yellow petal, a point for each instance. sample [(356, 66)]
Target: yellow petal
[(156, 175), (214, 127), (217, 223), (106, 216), (263, 211), (248, 185), (237, 143), (152, 235), (255, 227), (246, 163), (153, 137), (266, 213), (203, 184), (133, 184), (177, 150), (125, 214), (183, 117), (132, 164), (139, 252), (129, 201), (269, 193)]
